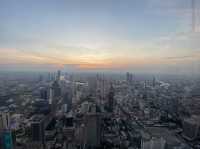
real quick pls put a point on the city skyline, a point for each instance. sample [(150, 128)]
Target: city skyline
[(143, 36)]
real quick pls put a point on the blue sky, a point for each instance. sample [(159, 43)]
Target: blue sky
[(98, 34)]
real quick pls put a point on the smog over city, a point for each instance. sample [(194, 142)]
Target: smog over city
[(99, 74)]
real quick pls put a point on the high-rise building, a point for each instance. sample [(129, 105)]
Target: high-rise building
[(50, 95), (111, 99), (93, 130), (4, 120), (58, 75), (36, 131), (6, 141), (67, 99), (129, 78), (92, 127), (191, 127), (154, 82), (64, 108), (154, 143), (37, 136), (55, 94), (56, 89), (43, 93)]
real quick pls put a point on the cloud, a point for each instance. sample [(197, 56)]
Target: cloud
[(181, 57), (180, 44)]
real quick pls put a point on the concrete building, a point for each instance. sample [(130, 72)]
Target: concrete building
[(93, 126), (153, 143), (56, 89), (67, 100), (6, 136), (111, 99), (58, 75), (37, 132), (43, 93), (191, 128), (4, 120), (129, 78), (93, 130), (6, 140)]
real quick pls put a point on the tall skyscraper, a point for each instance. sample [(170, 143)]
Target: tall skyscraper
[(4, 120), (54, 95), (6, 141), (58, 75), (111, 99), (50, 95), (154, 82), (43, 93), (37, 137), (129, 78), (93, 127), (67, 99), (56, 89)]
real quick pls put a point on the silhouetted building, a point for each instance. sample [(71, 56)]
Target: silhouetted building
[(56, 90), (43, 93), (129, 78), (154, 82), (54, 94), (58, 75), (93, 127), (41, 107), (67, 101), (111, 99), (93, 130), (69, 121), (37, 137), (69, 129)]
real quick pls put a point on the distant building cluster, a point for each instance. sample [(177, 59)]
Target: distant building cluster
[(99, 111)]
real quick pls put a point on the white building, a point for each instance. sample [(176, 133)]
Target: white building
[(4, 120)]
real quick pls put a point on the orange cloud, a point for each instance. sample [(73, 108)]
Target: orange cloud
[(85, 61)]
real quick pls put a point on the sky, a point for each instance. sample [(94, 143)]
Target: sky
[(153, 36)]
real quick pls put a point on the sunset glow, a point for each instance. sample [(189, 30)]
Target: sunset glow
[(98, 34)]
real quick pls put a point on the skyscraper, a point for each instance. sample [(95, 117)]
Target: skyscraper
[(56, 89), (93, 127), (129, 78), (37, 137), (6, 141), (111, 99), (54, 95), (43, 93), (58, 75), (67, 99), (154, 82), (4, 120)]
